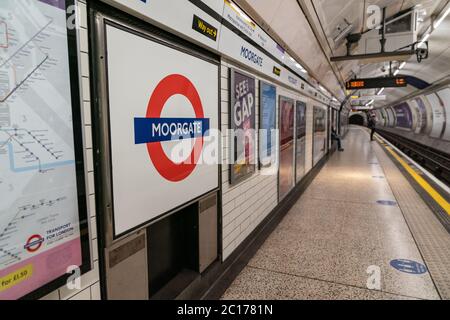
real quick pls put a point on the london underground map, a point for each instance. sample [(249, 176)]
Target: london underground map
[(39, 222)]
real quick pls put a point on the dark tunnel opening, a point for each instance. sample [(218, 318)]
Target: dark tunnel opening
[(357, 119)]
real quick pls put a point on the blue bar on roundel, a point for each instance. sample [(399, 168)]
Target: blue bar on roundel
[(148, 130)]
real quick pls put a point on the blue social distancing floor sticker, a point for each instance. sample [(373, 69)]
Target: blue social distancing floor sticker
[(409, 266), (387, 202)]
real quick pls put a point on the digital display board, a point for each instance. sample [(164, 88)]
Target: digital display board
[(43, 214), (374, 83)]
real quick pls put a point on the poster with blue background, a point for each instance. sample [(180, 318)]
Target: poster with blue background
[(404, 116), (267, 120)]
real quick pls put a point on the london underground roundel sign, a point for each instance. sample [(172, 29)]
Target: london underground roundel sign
[(153, 130), (163, 125)]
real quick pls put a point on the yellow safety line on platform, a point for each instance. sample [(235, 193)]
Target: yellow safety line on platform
[(421, 181)]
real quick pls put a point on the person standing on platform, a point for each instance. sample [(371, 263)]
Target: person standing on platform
[(372, 124)]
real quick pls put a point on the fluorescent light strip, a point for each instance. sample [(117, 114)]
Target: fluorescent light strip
[(425, 38), (380, 91), (438, 23), (235, 7)]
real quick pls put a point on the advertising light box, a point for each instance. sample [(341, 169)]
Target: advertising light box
[(404, 116), (242, 124), (444, 96), (163, 126), (437, 107), (287, 122), (320, 134), (43, 228), (267, 127), (300, 153)]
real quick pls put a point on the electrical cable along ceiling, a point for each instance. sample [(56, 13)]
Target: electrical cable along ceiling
[(339, 18), (285, 21), (314, 31)]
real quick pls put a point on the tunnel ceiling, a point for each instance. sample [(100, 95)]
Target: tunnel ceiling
[(308, 27), (331, 13), (285, 21)]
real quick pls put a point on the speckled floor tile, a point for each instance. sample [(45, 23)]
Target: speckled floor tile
[(303, 256), (347, 191), (355, 257), (323, 247), (258, 284)]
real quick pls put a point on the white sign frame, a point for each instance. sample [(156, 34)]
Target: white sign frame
[(121, 222)]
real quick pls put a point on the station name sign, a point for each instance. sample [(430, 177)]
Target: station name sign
[(375, 83)]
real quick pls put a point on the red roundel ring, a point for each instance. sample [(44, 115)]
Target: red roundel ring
[(31, 239), (168, 87)]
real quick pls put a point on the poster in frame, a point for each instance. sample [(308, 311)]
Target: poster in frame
[(267, 124), (49, 214), (242, 126)]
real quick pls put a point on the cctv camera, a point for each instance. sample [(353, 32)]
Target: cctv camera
[(421, 53)]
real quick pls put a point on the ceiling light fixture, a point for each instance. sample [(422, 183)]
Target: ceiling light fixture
[(238, 10), (425, 38), (438, 23)]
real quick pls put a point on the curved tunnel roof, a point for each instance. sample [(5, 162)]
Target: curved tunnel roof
[(310, 31)]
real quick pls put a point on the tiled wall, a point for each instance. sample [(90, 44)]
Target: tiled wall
[(246, 204), (90, 286)]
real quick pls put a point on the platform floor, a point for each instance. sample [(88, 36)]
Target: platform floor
[(337, 238)]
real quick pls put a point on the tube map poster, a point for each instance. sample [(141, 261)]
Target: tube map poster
[(39, 220)]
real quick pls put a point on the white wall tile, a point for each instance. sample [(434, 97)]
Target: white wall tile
[(84, 42), (247, 204), (82, 295), (95, 291), (87, 113), (90, 286)]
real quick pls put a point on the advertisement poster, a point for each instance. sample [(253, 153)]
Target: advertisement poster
[(39, 204), (391, 117), (320, 134), (437, 106), (404, 116), (267, 127), (168, 131), (286, 175), (444, 95), (300, 154), (242, 124), (422, 116)]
